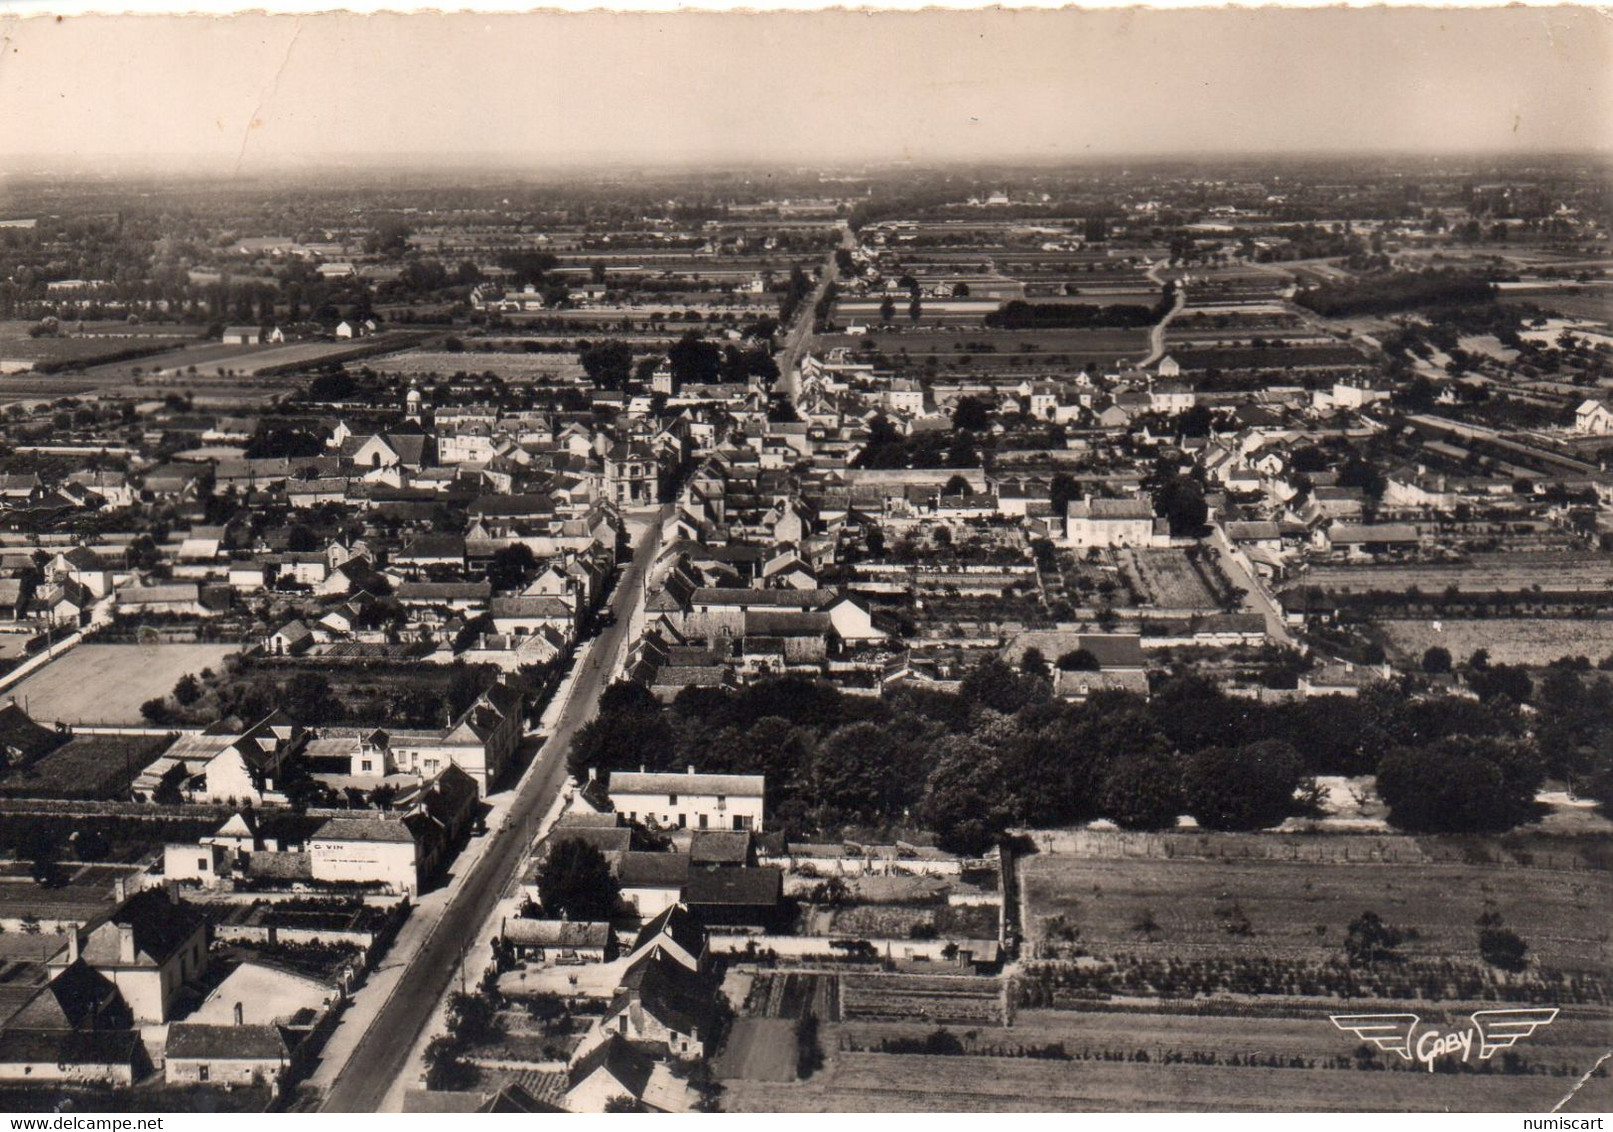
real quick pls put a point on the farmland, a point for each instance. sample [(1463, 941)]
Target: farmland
[(1184, 902), (1205, 904), (106, 684), (1508, 640), (1169, 579), (86, 766), (879, 1082), (508, 365), (999, 349), (1557, 572), (1267, 357)]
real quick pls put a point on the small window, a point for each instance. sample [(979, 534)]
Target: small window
[(672, 799), (201, 864), (366, 766), (201, 1072)]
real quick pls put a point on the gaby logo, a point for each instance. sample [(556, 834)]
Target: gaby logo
[(1491, 1030)]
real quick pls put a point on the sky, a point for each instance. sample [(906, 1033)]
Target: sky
[(251, 93)]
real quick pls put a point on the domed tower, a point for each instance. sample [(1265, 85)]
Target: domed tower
[(412, 402)]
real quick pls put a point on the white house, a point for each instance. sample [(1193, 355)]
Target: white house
[(384, 850), (689, 800), (149, 947), (1594, 418), (1107, 523)]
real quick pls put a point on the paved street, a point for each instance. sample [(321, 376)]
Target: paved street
[(799, 335), (382, 1053)]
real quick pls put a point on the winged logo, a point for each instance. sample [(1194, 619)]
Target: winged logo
[(1389, 1032), (1501, 1029)]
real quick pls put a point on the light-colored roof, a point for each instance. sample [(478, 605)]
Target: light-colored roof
[(728, 785)]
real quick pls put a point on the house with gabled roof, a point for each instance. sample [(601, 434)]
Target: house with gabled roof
[(244, 1054), (148, 947)]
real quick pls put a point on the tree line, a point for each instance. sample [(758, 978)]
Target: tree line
[(1002, 753)]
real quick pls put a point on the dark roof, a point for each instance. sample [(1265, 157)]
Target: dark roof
[(225, 1043), (68, 1047), (677, 924), (21, 734), (653, 870), (607, 839), (617, 1056), (719, 847), (161, 926), (64, 1003), (752, 887), (667, 991)]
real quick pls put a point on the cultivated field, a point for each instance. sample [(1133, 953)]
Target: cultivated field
[(1512, 640), (1557, 572), (106, 684), (1263, 908), (878, 1082), (757, 1049), (1169, 580), (520, 366), (1020, 348)]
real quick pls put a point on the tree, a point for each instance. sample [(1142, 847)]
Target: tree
[(446, 1069), (993, 684), (1180, 501), (575, 882), (694, 361), (509, 566), (966, 798), (1142, 791), (957, 485), (155, 710), (1502, 948), (1034, 663), (608, 365), (1369, 941), (1460, 784), (915, 309), (1436, 660), (853, 772), (887, 311), (630, 730), (309, 700), (971, 413), (187, 691), (1242, 788), (1079, 660)]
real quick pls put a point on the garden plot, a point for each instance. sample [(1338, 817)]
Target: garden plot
[(1170, 579), (967, 1000)]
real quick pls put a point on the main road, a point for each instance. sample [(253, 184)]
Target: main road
[(799, 334), (383, 1052)]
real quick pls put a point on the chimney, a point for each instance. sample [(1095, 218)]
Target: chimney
[(126, 954), (72, 944), (593, 774), (691, 768)]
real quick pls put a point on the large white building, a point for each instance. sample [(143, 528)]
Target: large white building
[(690, 800), (1110, 523)]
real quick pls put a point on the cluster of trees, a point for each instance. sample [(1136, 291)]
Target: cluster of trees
[(1002, 753), (888, 448), (1020, 315), (1404, 290)]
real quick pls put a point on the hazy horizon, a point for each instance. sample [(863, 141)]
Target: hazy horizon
[(273, 94)]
